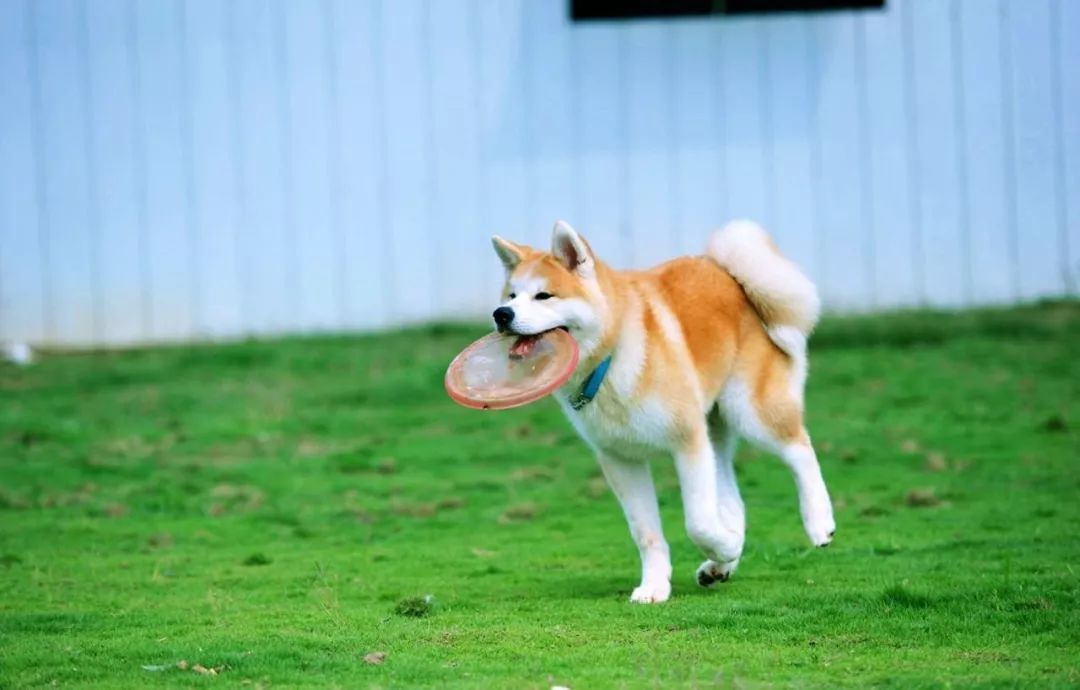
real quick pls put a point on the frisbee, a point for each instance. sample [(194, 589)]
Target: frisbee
[(501, 371)]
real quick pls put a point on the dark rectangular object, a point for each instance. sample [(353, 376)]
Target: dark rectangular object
[(640, 9)]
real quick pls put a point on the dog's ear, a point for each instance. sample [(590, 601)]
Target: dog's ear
[(509, 253), (571, 249)]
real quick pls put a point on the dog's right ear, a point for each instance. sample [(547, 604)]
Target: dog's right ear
[(571, 250), (509, 253)]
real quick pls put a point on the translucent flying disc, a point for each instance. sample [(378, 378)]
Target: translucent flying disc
[(501, 371)]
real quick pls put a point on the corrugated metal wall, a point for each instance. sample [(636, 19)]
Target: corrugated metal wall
[(175, 169)]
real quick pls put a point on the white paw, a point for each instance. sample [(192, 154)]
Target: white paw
[(820, 526), (651, 592), (710, 572)]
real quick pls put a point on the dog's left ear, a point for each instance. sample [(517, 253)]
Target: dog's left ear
[(571, 249)]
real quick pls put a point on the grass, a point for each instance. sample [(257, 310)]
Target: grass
[(317, 512)]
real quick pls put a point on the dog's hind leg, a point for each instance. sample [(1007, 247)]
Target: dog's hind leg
[(721, 541), (814, 503), (631, 481), (730, 503), (773, 421)]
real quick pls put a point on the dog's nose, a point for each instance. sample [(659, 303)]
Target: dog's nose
[(503, 316)]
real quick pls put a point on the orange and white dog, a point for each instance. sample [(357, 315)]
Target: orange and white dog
[(685, 358)]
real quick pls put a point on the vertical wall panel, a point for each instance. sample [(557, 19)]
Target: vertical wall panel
[(937, 194), (268, 277), (906, 19), (286, 173), (23, 290), (845, 282), (742, 118), (170, 238), (695, 124), (337, 244), (114, 130), (501, 64), (648, 112), (983, 145), (212, 167), (865, 202), (896, 273), (959, 112), (461, 239), (792, 100), (714, 58), (490, 271), (365, 265), (62, 121), (92, 220), (407, 157), (521, 92), (1067, 41), (309, 140), (767, 110), (600, 139), (550, 117), (1039, 248)]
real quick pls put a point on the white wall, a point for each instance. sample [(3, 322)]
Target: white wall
[(175, 169)]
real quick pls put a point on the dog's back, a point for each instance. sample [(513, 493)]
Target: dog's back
[(742, 309)]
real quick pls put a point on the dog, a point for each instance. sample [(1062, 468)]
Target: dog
[(685, 358)]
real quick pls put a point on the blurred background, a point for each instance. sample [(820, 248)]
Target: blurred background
[(192, 169)]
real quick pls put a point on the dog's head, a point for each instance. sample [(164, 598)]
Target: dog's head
[(546, 290)]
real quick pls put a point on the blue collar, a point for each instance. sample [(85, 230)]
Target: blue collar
[(591, 387)]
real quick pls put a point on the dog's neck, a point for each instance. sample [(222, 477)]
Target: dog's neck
[(601, 343)]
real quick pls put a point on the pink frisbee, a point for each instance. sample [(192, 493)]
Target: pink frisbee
[(501, 371)]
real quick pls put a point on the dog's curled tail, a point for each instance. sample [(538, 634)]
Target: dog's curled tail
[(783, 296)]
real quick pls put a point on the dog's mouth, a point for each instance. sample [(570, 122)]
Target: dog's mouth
[(525, 344)]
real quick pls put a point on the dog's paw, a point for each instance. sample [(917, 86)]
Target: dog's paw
[(820, 528), (651, 592), (711, 572)]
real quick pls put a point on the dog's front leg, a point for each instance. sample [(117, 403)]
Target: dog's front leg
[(632, 483)]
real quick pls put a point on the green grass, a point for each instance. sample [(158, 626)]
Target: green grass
[(282, 510)]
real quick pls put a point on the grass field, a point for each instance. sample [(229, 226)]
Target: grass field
[(266, 513)]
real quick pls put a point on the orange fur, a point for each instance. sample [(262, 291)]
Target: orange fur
[(722, 330)]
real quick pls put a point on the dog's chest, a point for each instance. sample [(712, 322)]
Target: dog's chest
[(621, 427)]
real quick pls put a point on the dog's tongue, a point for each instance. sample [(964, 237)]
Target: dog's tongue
[(524, 345)]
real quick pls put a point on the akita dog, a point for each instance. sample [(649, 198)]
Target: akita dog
[(685, 358)]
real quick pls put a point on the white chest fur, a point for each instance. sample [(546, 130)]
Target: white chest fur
[(616, 421)]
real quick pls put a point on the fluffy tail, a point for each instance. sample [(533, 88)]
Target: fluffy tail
[(783, 296)]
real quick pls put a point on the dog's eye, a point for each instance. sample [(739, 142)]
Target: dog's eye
[(513, 295), (544, 295)]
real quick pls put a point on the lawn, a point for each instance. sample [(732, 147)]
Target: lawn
[(268, 514)]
